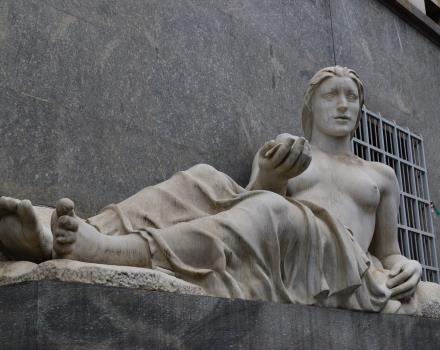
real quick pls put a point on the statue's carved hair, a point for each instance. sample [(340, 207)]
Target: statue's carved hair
[(318, 79)]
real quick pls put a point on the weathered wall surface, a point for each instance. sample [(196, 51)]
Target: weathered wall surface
[(66, 318), (101, 98)]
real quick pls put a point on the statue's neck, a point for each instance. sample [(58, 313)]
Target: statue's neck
[(332, 145)]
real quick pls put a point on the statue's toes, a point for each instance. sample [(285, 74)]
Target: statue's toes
[(8, 205), (68, 223), (65, 237), (65, 206), (63, 242), (26, 214)]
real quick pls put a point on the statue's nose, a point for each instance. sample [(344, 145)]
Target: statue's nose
[(342, 109), (342, 104)]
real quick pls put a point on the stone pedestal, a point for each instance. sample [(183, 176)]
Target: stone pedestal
[(61, 315)]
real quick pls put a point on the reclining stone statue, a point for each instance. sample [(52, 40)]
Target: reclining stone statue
[(316, 225)]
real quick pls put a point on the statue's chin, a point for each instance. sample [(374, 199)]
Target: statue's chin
[(339, 132)]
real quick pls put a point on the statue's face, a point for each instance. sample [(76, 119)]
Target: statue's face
[(335, 106)]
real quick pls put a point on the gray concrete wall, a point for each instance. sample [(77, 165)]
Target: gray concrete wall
[(57, 315), (101, 98)]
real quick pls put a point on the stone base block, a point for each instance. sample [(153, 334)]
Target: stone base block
[(61, 315)]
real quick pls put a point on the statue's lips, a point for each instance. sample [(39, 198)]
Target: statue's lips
[(342, 117)]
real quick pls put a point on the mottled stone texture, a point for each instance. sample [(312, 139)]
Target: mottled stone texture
[(18, 321), (100, 98), (79, 316)]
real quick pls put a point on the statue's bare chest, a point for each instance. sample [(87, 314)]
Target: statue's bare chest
[(337, 184)]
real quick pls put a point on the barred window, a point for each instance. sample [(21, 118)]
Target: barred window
[(380, 140)]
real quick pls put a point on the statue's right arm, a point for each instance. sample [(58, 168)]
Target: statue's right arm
[(404, 273), (277, 161)]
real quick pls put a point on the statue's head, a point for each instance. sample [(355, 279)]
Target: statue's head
[(349, 80)]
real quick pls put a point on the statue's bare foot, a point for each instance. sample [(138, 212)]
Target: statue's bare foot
[(22, 234), (73, 238)]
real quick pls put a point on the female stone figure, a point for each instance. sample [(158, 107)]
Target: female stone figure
[(316, 224)]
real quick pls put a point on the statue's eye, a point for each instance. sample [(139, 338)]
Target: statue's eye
[(352, 97), (329, 95)]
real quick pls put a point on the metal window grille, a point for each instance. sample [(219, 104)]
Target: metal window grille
[(380, 140)]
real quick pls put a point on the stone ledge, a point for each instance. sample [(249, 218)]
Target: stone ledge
[(12, 272), (63, 270), (60, 315)]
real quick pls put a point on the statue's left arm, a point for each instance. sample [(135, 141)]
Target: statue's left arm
[(404, 273)]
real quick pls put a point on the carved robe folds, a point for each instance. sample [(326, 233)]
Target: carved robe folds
[(205, 229)]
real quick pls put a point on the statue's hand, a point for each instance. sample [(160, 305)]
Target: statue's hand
[(403, 279), (285, 157)]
